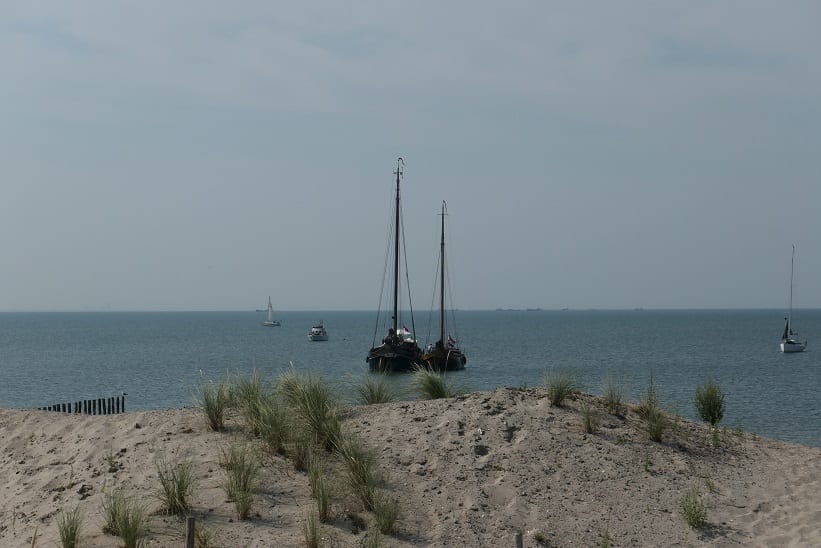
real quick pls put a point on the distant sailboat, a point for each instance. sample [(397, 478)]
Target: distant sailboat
[(788, 341), (271, 322), (443, 355), (399, 351)]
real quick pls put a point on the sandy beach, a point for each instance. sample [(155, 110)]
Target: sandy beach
[(467, 471)]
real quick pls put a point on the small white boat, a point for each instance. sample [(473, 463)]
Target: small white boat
[(789, 343), (318, 333), (271, 322)]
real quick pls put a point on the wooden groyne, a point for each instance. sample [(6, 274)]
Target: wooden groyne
[(98, 406)]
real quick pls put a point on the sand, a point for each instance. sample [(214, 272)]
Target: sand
[(467, 471)]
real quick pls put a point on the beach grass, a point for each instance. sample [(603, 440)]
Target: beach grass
[(315, 406), (176, 486), (132, 524), (320, 488), (361, 471), (373, 538), (590, 418), (69, 525), (386, 513), (204, 537), (310, 529), (614, 396), (214, 399), (273, 423), (375, 388), (431, 385), (249, 394), (656, 423), (241, 469), (650, 400), (560, 386), (115, 504)]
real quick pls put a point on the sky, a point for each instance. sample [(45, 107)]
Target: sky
[(203, 155)]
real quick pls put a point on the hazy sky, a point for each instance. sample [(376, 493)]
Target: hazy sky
[(205, 154)]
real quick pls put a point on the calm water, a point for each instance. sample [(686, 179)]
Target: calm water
[(159, 358)]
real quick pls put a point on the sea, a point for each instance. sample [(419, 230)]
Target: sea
[(160, 359)]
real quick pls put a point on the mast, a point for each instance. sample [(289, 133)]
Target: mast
[(442, 279), (792, 268), (399, 164)]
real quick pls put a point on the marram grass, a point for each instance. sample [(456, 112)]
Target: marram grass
[(431, 385), (69, 524), (375, 388)]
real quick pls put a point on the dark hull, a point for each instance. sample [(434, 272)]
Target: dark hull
[(389, 358), (445, 360)]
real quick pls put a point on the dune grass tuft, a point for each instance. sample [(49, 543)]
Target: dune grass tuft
[(614, 396), (656, 423), (310, 530), (214, 399), (115, 504), (273, 424), (248, 395), (560, 386), (240, 478), (373, 538), (320, 488), (360, 466), (386, 513), (375, 388), (176, 486), (69, 524), (654, 418), (315, 406), (431, 385), (132, 524), (590, 418), (650, 400)]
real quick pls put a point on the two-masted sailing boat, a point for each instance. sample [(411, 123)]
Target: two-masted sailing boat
[(399, 350), (444, 354), (270, 321), (788, 341)]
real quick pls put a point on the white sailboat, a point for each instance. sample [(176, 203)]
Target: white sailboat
[(271, 322), (788, 341)]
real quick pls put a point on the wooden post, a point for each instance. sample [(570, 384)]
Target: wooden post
[(517, 539), (189, 532)]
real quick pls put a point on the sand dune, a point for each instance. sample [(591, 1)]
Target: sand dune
[(467, 471)]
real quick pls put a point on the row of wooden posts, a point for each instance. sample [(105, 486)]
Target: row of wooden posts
[(98, 406)]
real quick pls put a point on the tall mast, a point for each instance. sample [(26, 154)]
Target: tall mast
[(792, 267), (399, 164), (442, 279)]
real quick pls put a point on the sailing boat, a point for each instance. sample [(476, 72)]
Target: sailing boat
[(788, 341), (443, 355), (398, 351), (270, 322)]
